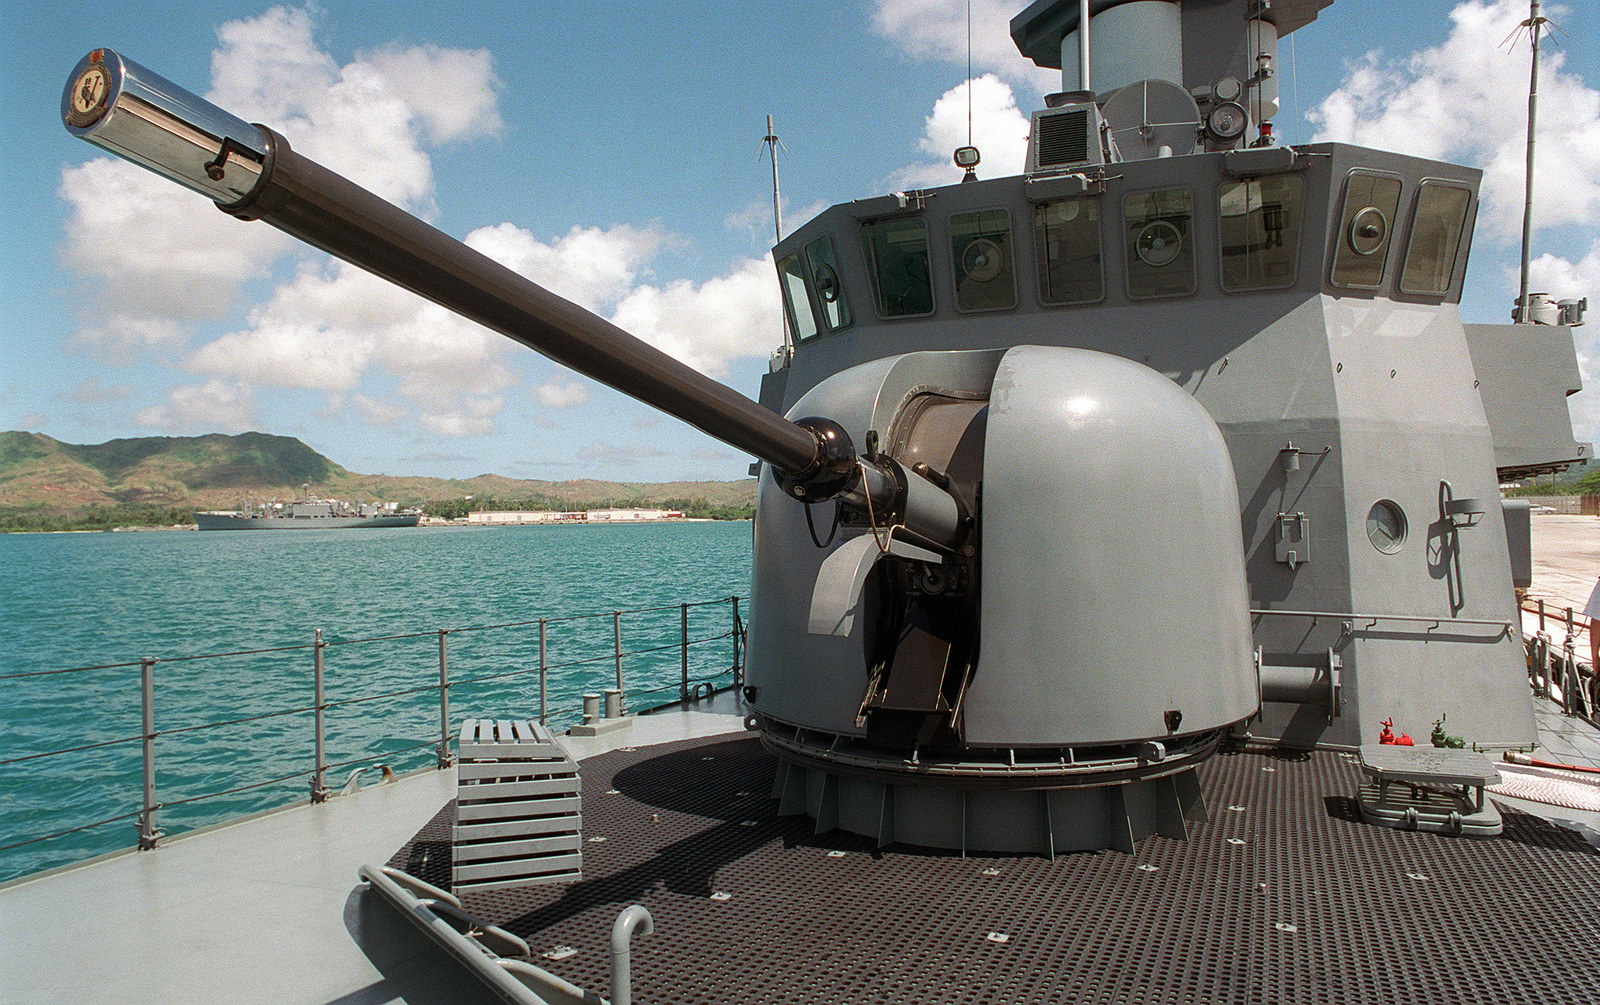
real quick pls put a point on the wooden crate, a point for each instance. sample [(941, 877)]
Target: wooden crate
[(518, 819)]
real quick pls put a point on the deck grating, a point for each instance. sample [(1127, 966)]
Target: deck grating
[(1287, 898)]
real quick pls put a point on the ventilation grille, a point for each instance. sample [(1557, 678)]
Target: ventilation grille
[(1064, 139)]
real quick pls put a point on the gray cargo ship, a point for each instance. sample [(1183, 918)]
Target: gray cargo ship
[(308, 514)]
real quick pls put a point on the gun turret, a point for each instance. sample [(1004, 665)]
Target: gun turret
[(251, 172)]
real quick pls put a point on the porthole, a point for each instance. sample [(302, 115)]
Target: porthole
[(827, 284), (1368, 230), (1159, 243), (1386, 526)]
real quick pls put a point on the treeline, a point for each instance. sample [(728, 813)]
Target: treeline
[(95, 518), (698, 508), (1587, 483)]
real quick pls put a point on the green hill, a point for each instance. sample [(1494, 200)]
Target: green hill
[(47, 484)]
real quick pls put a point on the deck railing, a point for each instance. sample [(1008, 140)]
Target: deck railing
[(672, 654), (1559, 671)]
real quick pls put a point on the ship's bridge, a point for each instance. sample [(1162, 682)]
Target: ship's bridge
[(1212, 231)]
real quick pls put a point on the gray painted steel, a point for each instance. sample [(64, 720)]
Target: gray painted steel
[(1114, 587)]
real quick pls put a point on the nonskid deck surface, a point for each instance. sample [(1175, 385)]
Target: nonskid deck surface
[(1284, 896)]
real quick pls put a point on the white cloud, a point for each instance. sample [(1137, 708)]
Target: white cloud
[(269, 69), (163, 257), (707, 325), (756, 219), (591, 267), (93, 392), (936, 30), (1564, 279), (215, 406), (474, 417), (1463, 100), (555, 394), (999, 131), (377, 413), (611, 454), (164, 261)]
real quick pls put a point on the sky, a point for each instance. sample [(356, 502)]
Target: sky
[(613, 153)]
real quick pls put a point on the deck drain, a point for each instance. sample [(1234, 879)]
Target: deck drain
[(722, 895), (1284, 926), (560, 953), (998, 937)]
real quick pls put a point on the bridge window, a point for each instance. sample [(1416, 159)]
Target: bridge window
[(795, 302), (1365, 227), (1066, 237), (980, 248), (1260, 232), (825, 280), (1435, 238), (1158, 229), (897, 253)]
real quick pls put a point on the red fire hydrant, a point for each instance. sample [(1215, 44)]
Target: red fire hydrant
[(1387, 736)]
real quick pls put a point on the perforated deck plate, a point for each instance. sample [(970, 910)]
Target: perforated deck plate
[(1286, 896)]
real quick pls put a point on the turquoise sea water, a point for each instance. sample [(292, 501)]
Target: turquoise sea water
[(89, 600)]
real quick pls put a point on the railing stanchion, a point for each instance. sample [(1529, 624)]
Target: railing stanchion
[(683, 634), (738, 662), (445, 760), (544, 677), (319, 781), (616, 634), (147, 688)]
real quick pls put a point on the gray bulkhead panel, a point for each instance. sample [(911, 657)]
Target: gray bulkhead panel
[(1525, 375)]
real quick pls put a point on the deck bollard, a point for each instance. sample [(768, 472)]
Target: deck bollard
[(591, 708), (613, 703)]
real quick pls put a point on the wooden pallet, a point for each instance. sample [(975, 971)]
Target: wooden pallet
[(518, 818)]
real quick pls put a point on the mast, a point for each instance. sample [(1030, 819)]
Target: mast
[(1534, 24)]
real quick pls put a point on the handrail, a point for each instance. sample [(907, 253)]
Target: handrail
[(608, 652)]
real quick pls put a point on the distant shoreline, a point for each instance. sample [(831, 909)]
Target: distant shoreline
[(434, 524)]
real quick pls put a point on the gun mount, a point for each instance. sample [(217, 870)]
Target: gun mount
[(1031, 611)]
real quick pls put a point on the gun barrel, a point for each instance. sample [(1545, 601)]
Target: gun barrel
[(251, 172)]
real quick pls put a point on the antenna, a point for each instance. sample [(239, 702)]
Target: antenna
[(1535, 24), (967, 157), (773, 142)]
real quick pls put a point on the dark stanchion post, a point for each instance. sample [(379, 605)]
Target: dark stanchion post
[(319, 786), (147, 688), (544, 677), (445, 760), (616, 634), (738, 662), (683, 633)]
